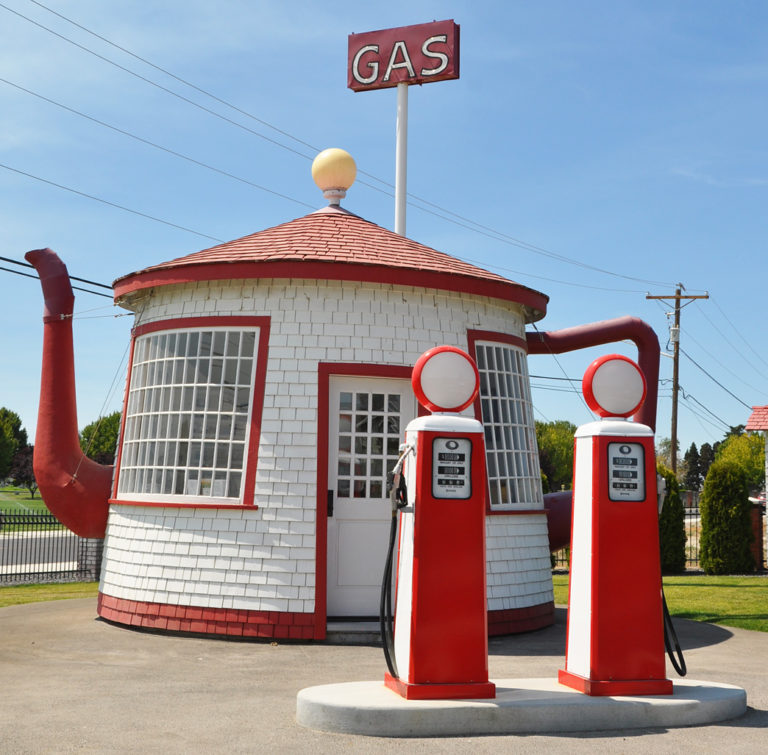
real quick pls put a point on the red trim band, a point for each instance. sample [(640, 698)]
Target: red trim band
[(338, 271), (189, 505), (215, 621), (513, 512), (517, 620), (230, 622)]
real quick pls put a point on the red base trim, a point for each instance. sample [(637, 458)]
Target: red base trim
[(214, 621), (277, 624), (612, 688), (458, 691), (517, 620)]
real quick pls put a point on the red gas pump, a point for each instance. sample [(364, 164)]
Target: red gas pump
[(615, 640), (440, 647)]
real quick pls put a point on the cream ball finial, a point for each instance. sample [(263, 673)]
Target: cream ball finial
[(334, 171)]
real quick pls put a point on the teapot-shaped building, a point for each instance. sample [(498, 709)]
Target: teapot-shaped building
[(267, 395)]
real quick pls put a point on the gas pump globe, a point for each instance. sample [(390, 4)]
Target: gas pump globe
[(441, 625)]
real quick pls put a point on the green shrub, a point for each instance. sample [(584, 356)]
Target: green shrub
[(671, 526), (726, 533)]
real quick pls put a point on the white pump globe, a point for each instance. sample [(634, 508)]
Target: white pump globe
[(448, 380), (618, 387)]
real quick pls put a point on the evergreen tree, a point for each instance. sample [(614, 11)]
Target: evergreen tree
[(726, 531), (671, 526), (706, 457), (692, 478)]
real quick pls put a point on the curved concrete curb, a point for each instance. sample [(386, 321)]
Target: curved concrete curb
[(521, 706)]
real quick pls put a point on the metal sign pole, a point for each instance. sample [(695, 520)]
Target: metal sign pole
[(401, 157)]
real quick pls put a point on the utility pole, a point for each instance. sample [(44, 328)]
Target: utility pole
[(674, 337)]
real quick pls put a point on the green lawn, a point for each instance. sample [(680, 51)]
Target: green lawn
[(14, 595), (18, 500), (731, 601)]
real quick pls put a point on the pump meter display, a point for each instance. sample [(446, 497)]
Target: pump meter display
[(451, 459), (626, 472)]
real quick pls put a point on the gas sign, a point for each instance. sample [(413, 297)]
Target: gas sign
[(408, 54)]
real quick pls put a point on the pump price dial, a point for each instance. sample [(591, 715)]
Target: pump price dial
[(451, 468), (625, 476)]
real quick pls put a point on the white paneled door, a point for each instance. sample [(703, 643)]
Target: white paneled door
[(366, 426)]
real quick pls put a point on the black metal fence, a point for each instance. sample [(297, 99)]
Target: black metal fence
[(36, 547), (692, 525)]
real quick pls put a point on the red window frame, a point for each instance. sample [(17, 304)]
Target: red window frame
[(257, 405)]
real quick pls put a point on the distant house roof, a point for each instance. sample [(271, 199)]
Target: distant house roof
[(758, 420), (334, 244)]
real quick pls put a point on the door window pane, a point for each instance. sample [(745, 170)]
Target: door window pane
[(369, 436)]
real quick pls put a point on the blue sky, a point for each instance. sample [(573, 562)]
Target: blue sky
[(626, 136)]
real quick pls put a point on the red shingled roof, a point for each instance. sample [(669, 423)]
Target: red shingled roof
[(334, 244), (758, 420)]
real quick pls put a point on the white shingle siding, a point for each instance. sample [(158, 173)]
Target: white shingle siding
[(264, 559)]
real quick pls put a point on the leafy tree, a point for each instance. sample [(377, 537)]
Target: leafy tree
[(7, 450), (692, 464), (726, 531), (671, 526), (555, 441), (748, 451), (22, 473), (99, 439), (12, 438), (733, 431), (12, 421), (664, 452), (706, 457)]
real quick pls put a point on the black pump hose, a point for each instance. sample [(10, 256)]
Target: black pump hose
[(670, 636), (386, 618)]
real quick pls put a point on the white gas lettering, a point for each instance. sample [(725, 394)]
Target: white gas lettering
[(373, 66), (441, 56), (405, 63)]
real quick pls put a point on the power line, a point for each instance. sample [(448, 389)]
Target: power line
[(729, 341), (701, 418), (739, 334), (154, 145), (108, 203), (678, 296), (174, 76), (714, 380), (35, 277), (717, 361), (71, 277), (689, 397), (153, 83), (479, 228)]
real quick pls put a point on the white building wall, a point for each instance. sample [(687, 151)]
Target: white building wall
[(264, 559)]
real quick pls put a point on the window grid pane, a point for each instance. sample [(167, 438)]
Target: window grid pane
[(368, 442), (512, 458), (188, 411)]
